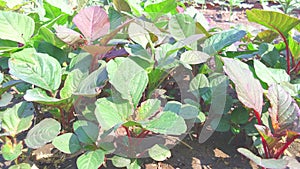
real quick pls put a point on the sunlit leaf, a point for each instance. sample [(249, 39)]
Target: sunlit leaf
[(119, 161), (138, 34), (16, 27), (67, 143), (10, 151), (284, 111), (93, 22), (36, 68), (219, 41), (182, 26), (18, 118), (69, 36), (276, 21), (159, 152), (158, 9), (90, 160), (266, 163), (249, 90), (42, 133), (148, 108), (40, 96), (270, 75)]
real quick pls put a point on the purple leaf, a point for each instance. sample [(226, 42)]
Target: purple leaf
[(284, 111), (93, 22), (248, 89), (69, 36)]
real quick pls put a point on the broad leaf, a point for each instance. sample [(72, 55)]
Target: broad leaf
[(36, 68), (294, 47), (266, 36), (158, 9), (57, 39), (67, 143), (199, 85), (284, 111), (249, 90), (16, 27), (276, 21), (129, 79), (266, 163), (167, 123), (65, 5), (122, 5), (40, 96), (71, 83), (194, 57), (69, 36), (86, 131), (93, 83), (219, 41), (42, 133), (138, 34), (148, 108), (119, 161), (11, 152), (270, 75), (5, 99), (110, 112), (182, 26), (18, 118), (90, 160), (159, 152), (93, 22)]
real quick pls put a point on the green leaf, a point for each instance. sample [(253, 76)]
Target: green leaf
[(294, 47), (284, 110), (138, 34), (266, 163), (219, 41), (5, 99), (50, 37), (36, 68), (134, 165), (122, 5), (40, 96), (11, 152), (148, 108), (71, 83), (5, 86), (239, 115), (20, 166), (269, 54), (90, 160), (159, 152), (86, 131), (266, 36), (16, 27), (42, 133), (65, 5), (93, 83), (249, 90), (110, 112), (158, 9), (119, 161), (18, 118), (275, 21), (199, 85), (188, 111), (194, 57), (167, 123), (67, 143), (182, 26), (7, 45), (270, 75), (129, 79)]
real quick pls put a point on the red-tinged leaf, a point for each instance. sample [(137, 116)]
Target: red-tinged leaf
[(249, 90), (284, 111), (93, 22), (95, 50), (276, 143), (69, 36)]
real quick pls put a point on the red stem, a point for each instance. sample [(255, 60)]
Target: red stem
[(128, 135), (264, 143), (286, 145), (286, 49), (62, 116)]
